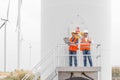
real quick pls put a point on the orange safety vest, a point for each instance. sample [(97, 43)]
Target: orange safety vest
[(71, 47), (85, 45)]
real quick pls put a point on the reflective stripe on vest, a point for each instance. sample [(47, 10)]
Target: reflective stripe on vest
[(84, 45), (71, 47)]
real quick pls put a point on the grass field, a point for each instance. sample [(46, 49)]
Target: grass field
[(16, 75)]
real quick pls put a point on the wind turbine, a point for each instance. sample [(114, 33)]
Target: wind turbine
[(30, 48), (19, 32), (5, 24)]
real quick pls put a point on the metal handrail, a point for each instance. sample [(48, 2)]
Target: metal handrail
[(34, 69), (37, 68)]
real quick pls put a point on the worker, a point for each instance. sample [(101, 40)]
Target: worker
[(73, 47), (79, 33), (85, 48)]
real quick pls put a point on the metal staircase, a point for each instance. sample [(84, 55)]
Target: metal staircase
[(46, 69), (52, 76)]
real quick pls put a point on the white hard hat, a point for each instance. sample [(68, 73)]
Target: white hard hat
[(85, 31), (74, 32)]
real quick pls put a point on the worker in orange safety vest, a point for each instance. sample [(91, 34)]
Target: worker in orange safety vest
[(73, 47), (85, 48)]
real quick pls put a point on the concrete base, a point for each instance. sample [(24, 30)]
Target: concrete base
[(65, 72)]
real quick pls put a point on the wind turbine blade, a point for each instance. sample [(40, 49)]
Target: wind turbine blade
[(8, 9), (2, 25), (19, 13)]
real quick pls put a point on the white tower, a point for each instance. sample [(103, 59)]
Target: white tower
[(56, 17)]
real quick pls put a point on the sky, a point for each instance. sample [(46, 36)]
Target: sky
[(30, 32)]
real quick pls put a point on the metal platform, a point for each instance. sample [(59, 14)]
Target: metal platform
[(78, 69), (64, 73)]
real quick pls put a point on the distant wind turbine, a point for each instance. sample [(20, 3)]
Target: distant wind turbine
[(19, 32), (4, 25)]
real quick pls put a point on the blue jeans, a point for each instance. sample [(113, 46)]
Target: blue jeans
[(72, 55), (86, 54)]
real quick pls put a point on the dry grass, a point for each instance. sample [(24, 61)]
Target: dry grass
[(116, 72), (16, 75)]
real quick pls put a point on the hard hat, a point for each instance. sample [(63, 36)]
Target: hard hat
[(85, 31), (74, 32)]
